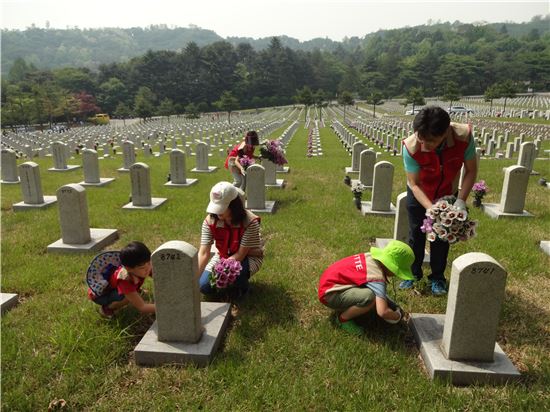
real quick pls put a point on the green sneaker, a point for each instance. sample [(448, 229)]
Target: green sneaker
[(350, 326)]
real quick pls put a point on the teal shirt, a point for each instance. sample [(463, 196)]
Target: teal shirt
[(412, 166)]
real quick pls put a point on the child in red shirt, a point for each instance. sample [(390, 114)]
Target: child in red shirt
[(245, 148), (125, 282)]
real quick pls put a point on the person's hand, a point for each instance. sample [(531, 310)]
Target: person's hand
[(399, 312), (460, 204), (243, 172)]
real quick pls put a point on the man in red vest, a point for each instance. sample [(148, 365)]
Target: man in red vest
[(433, 157)]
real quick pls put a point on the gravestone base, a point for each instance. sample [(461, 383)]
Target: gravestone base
[(48, 201), (269, 207), (493, 210), (103, 181), (545, 246), (188, 182), (382, 242), (284, 169), (428, 333), (155, 202), (357, 181), (14, 182), (350, 170), (99, 239), (7, 301), (123, 170), (214, 318), (279, 185), (67, 169), (366, 209), (210, 169)]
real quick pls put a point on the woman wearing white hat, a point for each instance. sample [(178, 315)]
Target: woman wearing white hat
[(236, 234)]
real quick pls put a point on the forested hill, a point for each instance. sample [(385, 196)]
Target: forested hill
[(54, 48)]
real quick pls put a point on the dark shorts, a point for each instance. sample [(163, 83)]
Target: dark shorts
[(350, 297), (109, 297)]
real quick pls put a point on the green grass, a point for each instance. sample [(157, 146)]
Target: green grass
[(281, 351)]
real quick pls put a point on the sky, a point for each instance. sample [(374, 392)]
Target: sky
[(301, 19)]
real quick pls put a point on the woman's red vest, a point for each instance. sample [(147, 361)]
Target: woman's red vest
[(228, 238), (248, 151), (439, 172)]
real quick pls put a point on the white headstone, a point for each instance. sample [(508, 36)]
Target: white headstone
[(9, 166)]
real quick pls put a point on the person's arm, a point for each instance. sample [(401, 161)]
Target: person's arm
[(241, 253), (470, 175), (204, 255), (384, 311), (137, 301), (413, 179), (239, 166)]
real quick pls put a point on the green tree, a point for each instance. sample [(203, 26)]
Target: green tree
[(492, 92), (192, 111), (345, 99), (374, 98), (451, 93), (415, 96), (227, 103), (166, 108), (319, 99), (144, 102), (123, 111), (111, 94), (304, 96), (508, 90)]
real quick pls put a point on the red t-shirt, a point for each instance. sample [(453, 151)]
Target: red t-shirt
[(123, 286), (351, 270)]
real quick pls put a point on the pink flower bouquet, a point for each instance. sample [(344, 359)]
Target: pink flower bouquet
[(273, 150), (225, 273), (445, 222)]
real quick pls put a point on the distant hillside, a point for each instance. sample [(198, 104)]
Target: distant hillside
[(53, 48)]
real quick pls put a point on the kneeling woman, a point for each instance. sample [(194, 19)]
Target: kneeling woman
[(236, 233)]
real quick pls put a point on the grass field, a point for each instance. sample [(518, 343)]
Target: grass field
[(281, 351)]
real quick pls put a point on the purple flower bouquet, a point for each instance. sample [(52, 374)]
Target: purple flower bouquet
[(246, 161), (445, 222), (225, 273), (273, 150)]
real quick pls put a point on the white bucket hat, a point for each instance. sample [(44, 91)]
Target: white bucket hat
[(221, 195)]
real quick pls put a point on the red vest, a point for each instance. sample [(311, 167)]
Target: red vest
[(228, 238), (348, 272), (235, 153), (439, 172)]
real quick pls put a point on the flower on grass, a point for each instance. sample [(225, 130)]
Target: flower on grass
[(357, 188), (480, 189), (224, 273), (445, 222)]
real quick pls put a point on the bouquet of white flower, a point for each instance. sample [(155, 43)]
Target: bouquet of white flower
[(446, 222)]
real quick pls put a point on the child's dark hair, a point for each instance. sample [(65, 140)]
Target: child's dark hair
[(238, 212), (431, 121), (252, 138), (134, 254)]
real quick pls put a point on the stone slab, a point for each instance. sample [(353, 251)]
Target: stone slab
[(103, 181), (350, 170), (286, 169), (357, 181), (10, 183), (269, 207), (366, 209), (214, 318), (279, 185), (382, 242), (67, 169), (545, 246), (22, 206), (7, 301), (428, 333), (188, 182), (100, 239), (492, 210), (210, 169), (155, 202)]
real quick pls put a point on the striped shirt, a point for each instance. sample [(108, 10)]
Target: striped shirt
[(251, 238)]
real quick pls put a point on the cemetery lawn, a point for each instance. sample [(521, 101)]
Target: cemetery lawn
[(281, 351)]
